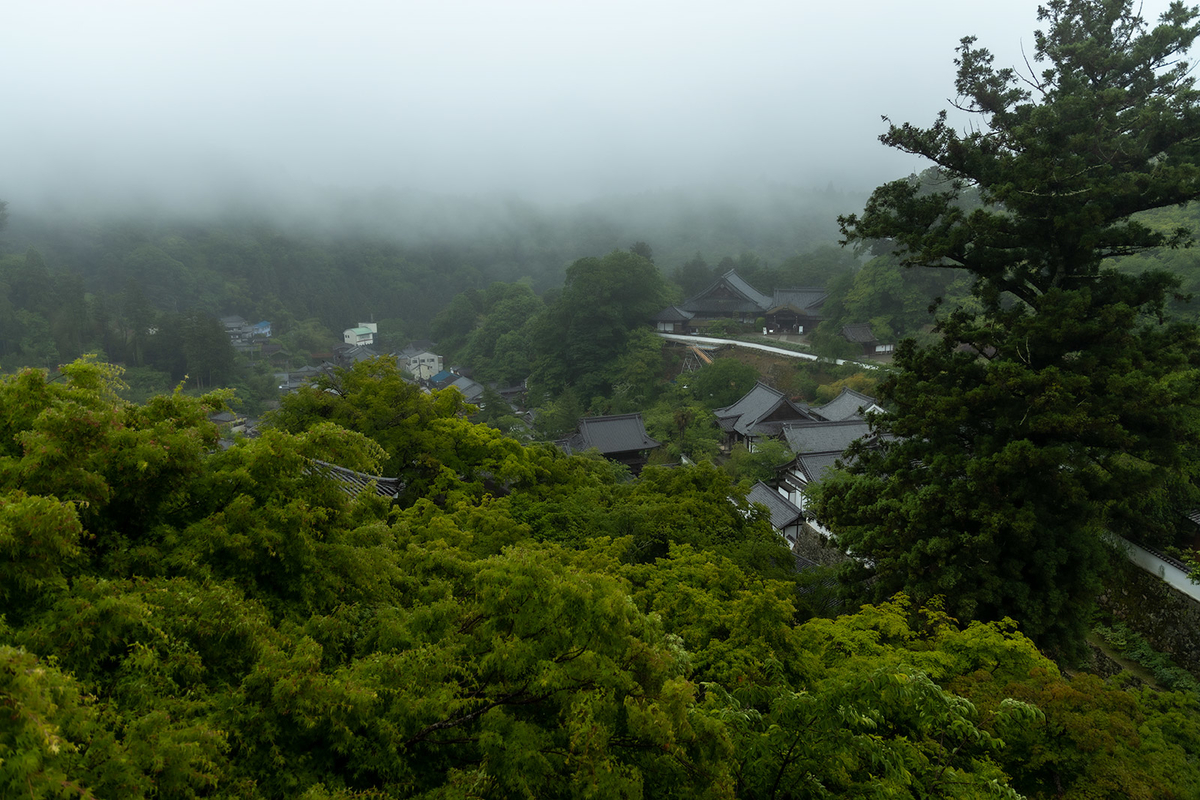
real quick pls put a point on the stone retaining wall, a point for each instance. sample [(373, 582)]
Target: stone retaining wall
[(1169, 621)]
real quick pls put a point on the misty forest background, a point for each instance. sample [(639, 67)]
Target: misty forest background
[(398, 259), (75, 282)]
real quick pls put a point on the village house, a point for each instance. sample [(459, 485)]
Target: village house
[(421, 364), (472, 390), (242, 335), (362, 335), (347, 355), (293, 380)]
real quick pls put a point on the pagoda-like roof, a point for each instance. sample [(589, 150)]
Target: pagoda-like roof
[(804, 300), (816, 437), (619, 433), (615, 434), (813, 466)]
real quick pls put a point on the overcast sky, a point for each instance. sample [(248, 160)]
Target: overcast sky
[(544, 99)]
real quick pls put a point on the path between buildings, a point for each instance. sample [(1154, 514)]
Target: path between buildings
[(766, 348)]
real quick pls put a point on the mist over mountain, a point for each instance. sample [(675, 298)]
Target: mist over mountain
[(774, 221), (279, 109)]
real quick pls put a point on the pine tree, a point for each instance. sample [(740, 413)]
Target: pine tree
[(1067, 408)]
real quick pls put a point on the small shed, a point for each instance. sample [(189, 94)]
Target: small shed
[(673, 319), (860, 333)]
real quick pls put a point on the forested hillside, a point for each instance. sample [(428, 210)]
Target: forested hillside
[(382, 257)]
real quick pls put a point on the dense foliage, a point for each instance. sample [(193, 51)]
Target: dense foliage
[(185, 621)]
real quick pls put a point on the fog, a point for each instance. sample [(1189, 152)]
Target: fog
[(200, 103)]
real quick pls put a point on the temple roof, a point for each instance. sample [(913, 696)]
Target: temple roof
[(619, 433)]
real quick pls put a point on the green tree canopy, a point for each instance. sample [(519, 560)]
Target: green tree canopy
[(182, 621), (588, 326), (722, 382)]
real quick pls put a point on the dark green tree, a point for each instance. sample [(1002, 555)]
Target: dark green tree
[(722, 382), (693, 276), (206, 346), (499, 345), (588, 326), (642, 249), (1066, 407)]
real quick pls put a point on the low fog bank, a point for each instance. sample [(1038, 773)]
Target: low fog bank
[(774, 220)]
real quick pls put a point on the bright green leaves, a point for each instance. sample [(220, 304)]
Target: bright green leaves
[(126, 467), (526, 671), (866, 715), (45, 725), (258, 632), (38, 537), (426, 439)]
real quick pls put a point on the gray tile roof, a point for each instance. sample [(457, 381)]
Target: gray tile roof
[(470, 389), (858, 332), (783, 511), (354, 353), (847, 405), (739, 283), (673, 314), (352, 482), (803, 563), (745, 298), (756, 402), (746, 414), (815, 437), (814, 465), (616, 434), (807, 298)]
